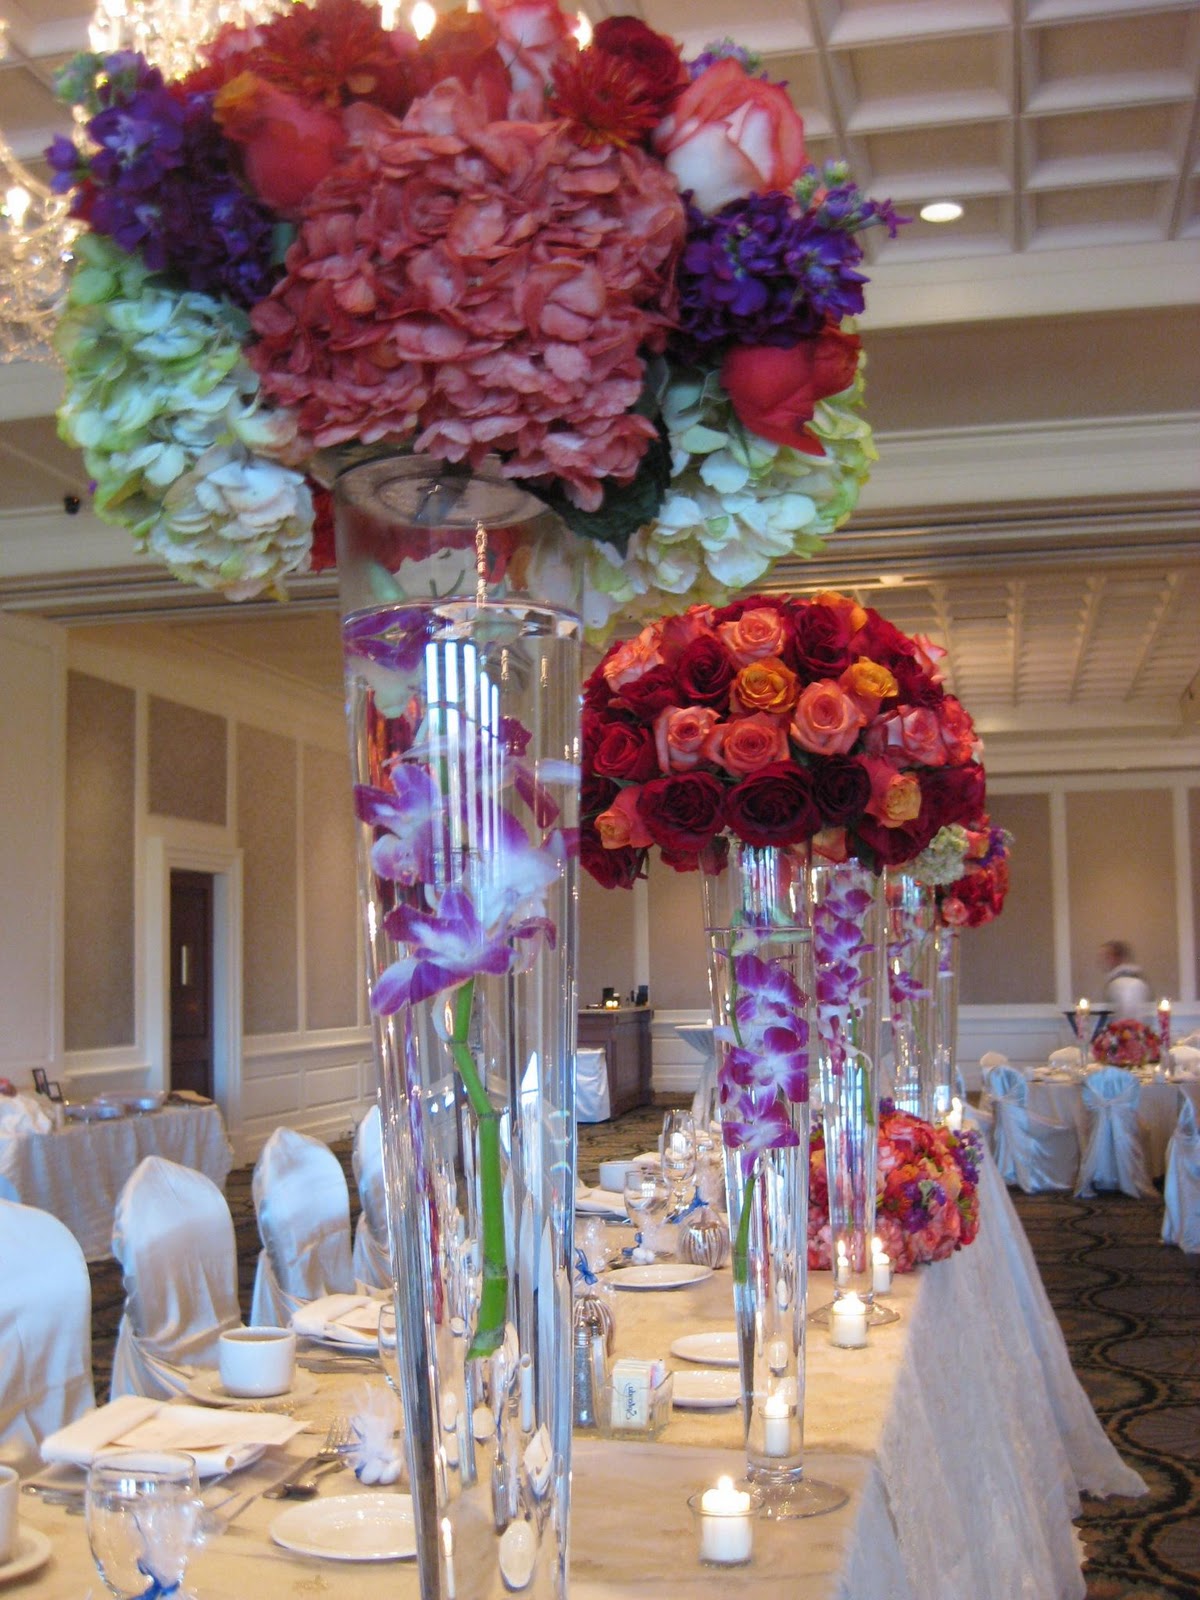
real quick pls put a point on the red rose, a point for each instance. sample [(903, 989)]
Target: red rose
[(682, 812), (595, 794), (612, 869), (892, 847), (916, 686), (651, 693), (773, 806), (775, 391), (841, 787), (704, 673), (820, 644), (880, 640), (625, 750), (951, 794)]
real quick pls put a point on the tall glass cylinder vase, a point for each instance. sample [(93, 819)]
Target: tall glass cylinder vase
[(849, 947), (461, 636), (946, 944), (912, 992), (760, 970)]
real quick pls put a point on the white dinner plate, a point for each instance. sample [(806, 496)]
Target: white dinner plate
[(350, 1527), (207, 1388), (33, 1551), (599, 1203), (352, 1342), (659, 1275), (697, 1389), (713, 1349)]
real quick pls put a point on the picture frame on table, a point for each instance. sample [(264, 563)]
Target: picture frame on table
[(49, 1087)]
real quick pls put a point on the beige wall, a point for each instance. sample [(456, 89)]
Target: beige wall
[(187, 763), (678, 949), (1194, 835), (330, 881), (266, 809), (606, 940), (1011, 961)]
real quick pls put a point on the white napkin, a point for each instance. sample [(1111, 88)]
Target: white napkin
[(599, 1202), (1185, 1060), (1069, 1056), (342, 1318), (22, 1113), (220, 1441)]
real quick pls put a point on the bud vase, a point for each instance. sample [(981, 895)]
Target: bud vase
[(461, 637), (760, 974), (848, 963), (912, 992), (946, 1080)]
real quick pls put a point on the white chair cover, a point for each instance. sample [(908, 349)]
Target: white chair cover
[(372, 1261), (1181, 1187), (993, 1058), (8, 1190), (1113, 1157), (45, 1332), (591, 1086), (173, 1235), (303, 1208), (1033, 1154)]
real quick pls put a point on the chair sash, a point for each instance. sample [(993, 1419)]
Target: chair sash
[(303, 1208), (372, 1259), (1113, 1156), (45, 1332), (1181, 1186), (173, 1235)]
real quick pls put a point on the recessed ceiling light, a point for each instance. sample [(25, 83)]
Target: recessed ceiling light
[(891, 580), (941, 211)]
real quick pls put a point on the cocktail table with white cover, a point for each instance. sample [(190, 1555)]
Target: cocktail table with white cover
[(1058, 1097), (77, 1172), (969, 1402)]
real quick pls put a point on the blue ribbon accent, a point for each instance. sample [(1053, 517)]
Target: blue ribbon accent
[(582, 1268), (695, 1204), (636, 1245), (157, 1589)]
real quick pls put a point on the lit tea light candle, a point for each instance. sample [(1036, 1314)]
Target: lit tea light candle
[(841, 1269), (1164, 1029), (777, 1425), (955, 1115), (1082, 1009), (726, 1529), (881, 1269), (848, 1322)]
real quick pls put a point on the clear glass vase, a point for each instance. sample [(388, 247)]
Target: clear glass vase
[(849, 945), (760, 973), (461, 636), (945, 1053), (912, 992)]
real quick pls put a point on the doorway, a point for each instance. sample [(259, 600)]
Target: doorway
[(191, 985)]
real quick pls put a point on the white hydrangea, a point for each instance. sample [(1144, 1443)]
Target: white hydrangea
[(942, 860)]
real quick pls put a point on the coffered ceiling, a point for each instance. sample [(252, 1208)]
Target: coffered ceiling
[(1034, 368)]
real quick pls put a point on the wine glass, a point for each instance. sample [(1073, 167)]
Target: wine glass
[(143, 1520), (647, 1196), (679, 1156), (389, 1349)]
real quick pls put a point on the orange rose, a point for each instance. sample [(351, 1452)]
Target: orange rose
[(765, 686), (748, 744), (755, 635), (288, 146), (844, 605), (631, 659), (826, 720), (774, 390), (621, 825), (868, 683), (895, 796)]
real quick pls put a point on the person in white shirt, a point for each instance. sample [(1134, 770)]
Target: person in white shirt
[(1125, 986)]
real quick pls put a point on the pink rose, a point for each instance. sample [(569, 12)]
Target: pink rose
[(914, 734), (755, 635), (958, 734), (679, 735), (630, 660), (747, 744), (731, 135), (535, 37), (826, 720), (927, 655), (621, 825), (680, 632)]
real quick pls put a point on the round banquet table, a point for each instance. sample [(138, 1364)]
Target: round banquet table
[(1059, 1099)]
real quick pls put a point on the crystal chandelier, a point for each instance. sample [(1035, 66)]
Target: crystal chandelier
[(168, 31)]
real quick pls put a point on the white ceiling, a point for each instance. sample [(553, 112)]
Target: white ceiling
[(1034, 369)]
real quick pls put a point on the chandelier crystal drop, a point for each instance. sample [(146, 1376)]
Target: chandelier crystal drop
[(167, 32)]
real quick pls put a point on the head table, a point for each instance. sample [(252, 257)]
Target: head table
[(961, 1435), (77, 1171)]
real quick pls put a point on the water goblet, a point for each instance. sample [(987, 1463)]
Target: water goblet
[(647, 1196), (143, 1515), (679, 1156), (389, 1349)]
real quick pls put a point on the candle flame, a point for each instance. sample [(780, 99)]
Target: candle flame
[(582, 30), (423, 19)]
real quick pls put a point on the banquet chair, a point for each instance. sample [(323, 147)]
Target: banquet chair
[(8, 1190), (1030, 1152), (173, 1235), (592, 1102), (371, 1260), (1181, 1187), (1113, 1156), (45, 1332), (303, 1208)]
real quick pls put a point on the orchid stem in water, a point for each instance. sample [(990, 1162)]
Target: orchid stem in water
[(741, 1245), (493, 1299)]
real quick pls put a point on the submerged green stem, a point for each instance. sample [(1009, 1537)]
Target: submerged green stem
[(741, 1245), (493, 1298)]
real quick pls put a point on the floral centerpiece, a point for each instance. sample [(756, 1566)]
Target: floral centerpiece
[(968, 866), (1125, 1042), (927, 1200), (612, 271)]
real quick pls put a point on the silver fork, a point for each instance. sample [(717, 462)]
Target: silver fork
[(302, 1483)]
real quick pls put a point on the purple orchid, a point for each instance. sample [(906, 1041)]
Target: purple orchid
[(411, 824), (839, 949), (753, 1123), (765, 1061), (391, 639)]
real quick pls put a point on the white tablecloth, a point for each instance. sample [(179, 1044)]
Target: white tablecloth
[(77, 1172), (961, 1434), (1158, 1111)]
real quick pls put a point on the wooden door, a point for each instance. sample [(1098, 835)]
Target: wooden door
[(191, 981)]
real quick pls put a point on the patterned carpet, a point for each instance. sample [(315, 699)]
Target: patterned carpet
[(1130, 1311)]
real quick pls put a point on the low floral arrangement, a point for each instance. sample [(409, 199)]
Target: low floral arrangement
[(927, 1200), (777, 721), (611, 269), (1125, 1042)]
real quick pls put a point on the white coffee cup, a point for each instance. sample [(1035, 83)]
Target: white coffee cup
[(255, 1362), (10, 1489), (612, 1174)]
